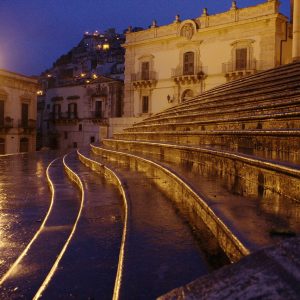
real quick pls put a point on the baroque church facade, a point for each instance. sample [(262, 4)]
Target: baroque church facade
[(165, 65)]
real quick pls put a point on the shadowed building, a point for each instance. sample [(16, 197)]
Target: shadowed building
[(17, 113), (75, 114)]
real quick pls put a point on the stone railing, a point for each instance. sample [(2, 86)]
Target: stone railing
[(140, 76), (143, 80), (27, 124), (251, 65), (6, 123)]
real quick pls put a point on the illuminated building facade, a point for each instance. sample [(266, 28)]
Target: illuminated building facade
[(17, 113), (165, 65)]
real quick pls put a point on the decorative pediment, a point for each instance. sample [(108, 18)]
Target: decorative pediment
[(187, 29), (146, 57)]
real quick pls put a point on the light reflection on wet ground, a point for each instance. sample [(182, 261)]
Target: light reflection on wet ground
[(30, 273), (162, 253), (88, 268), (257, 221), (24, 201)]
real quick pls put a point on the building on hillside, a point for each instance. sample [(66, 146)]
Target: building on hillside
[(96, 54), (76, 114), (165, 65), (17, 113)]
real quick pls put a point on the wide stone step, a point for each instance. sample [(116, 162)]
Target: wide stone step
[(247, 84), (241, 189), (190, 204), (89, 268), (155, 231), (245, 91), (272, 273), (35, 269), (288, 120), (281, 99), (282, 145), (256, 79), (257, 107)]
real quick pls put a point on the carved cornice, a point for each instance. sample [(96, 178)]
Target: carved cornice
[(18, 83)]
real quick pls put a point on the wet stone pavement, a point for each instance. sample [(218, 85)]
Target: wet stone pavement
[(24, 201), (258, 221), (88, 268), (162, 252), (30, 273)]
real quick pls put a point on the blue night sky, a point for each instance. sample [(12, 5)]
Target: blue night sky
[(34, 33)]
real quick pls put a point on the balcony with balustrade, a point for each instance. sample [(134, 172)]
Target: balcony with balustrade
[(144, 79), (63, 117), (192, 75), (6, 124), (240, 68), (27, 126), (97, 118)]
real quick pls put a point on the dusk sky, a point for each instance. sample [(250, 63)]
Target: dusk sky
[(34, 33)]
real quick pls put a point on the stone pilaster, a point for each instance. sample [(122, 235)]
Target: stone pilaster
[(296, 31)]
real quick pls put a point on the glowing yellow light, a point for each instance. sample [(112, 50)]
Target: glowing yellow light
[(39, 93), (105, 46), (82, 74), (49, 75), (87, 81), (95, 76)]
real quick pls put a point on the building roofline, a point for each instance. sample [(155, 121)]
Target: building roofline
[(19, 76)]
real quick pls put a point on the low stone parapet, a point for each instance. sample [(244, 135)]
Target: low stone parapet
[(185, 198)]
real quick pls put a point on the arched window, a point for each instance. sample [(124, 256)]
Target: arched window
[(188, 63), (72, 110), (24, 145), (186, 95), (2, 146)]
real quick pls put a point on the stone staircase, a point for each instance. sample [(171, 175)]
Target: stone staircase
[(259, 114), (237, 147)]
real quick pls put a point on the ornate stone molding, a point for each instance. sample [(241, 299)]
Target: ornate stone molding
[(187, 29)]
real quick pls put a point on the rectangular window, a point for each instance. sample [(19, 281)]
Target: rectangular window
[(98, 109), (92, 139), (24, 115), (72, 110), (188, 63), (1, 113), (56, 109), (145, 70), (241, 59), (145, 104)]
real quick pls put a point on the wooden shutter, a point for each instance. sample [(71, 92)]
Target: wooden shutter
[(241, 59), (145, 70), (188, 63)]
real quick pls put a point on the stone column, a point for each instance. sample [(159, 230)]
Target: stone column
[(296, 31)]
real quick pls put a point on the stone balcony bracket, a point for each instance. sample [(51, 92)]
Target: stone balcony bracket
[(139, 84), (188, 79)]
